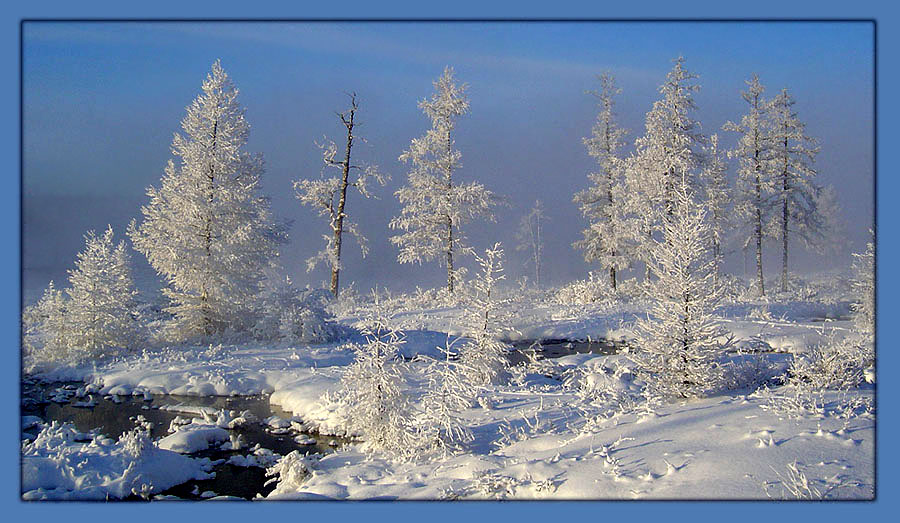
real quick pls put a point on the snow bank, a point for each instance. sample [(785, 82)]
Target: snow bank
[(59, 464)]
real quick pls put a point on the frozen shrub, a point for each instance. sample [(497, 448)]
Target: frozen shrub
[(448, 394), (372, 398), (582, 292), (289, 472), (289, 315), (863, 286), (482, 355), (835, 364)]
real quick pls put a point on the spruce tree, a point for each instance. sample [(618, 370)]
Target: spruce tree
[(207, 230), (435, 204)]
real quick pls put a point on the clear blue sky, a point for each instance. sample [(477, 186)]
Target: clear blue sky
[(102, 100)]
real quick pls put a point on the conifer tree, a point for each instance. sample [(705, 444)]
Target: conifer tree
[(797, 199), (680, 340), (207, 230), (531, 238), (435, 204), (102, 296), (606, 239), (715, 185), (668, 152), (754, 181)]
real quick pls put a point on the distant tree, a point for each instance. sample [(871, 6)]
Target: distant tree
[(795, 193), (667, 153), (606, 239), (102, 296), (434, 204), (754, 181), (717, 200), (531, 238), (207, 230), (680, 340), (329, 196)]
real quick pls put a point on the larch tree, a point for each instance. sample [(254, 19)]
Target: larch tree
[(435, 204), (717, 200), (606, 238), (102, 296), (754, 181), (328, 195), (680, 340), (668, 152), (207, 230), (45, 327), (796, 196), (863, 285), (531, 238)]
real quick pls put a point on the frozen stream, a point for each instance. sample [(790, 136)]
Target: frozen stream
[(57, 401)]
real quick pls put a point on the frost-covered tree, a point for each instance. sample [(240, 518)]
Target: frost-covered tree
[(667, 153), (718, 199), (372, 396), (482, 356), (435, 204), (328, 195), (754, 181), (796, 195), (607, 238), (448, 394), (207, 230), (45, 328), (863, 285), (101, 296), (531, 238), (680, 340)]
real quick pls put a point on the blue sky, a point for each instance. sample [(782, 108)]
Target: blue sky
[(102, 100)]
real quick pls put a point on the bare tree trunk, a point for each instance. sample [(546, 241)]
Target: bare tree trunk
[(345, 175), (612, 278), (759, 266)]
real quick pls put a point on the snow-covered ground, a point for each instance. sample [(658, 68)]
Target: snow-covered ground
[(542, 435)]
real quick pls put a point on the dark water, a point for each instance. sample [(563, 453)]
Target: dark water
[(113, 419), (549, 349)]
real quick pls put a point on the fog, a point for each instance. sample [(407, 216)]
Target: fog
[(102, 100)]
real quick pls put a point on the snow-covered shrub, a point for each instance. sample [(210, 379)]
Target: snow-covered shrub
[(837, 363), (796, 484), (595, 289), (863, 286), (289, 315), (448, 394), (482, 355), (290, 472), (680, 341), (372, 397)]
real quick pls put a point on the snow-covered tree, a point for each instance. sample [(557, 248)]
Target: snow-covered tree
[(207, 230), (328, 195), (531, 238), (435, 205), (45, 328), (680, 340), (754, 181), (448, 394), (482, 356), (102, 296), (372, 396), (607, 238), (668, 152), (797, 197), (864, 287), (718, 198)]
